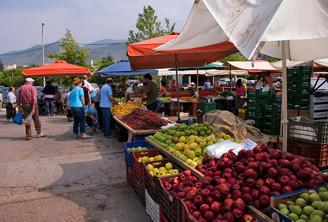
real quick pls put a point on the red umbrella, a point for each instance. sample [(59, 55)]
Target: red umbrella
[(58, 68), (143, 56)]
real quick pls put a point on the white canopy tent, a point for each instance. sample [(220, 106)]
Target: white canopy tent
[(293, 29), (211, 72), (257, 65)]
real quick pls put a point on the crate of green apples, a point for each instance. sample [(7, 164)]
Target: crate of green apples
[(301, 206)]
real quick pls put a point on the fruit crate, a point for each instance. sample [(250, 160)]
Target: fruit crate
[(130, 177), (207, 107), (128, 154), (185, 214), (138, 167), (152, 208), (152, 184), (170, 205), (316, 153), (162, 217), (140, 191), (303, 129)]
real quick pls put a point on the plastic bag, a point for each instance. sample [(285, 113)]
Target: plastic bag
[(18, 118), (218, 149)]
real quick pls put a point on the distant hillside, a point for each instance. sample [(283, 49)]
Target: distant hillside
[(98, 50)]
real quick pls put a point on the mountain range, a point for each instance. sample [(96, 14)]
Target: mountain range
[(33, 55)]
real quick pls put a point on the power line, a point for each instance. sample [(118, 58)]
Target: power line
[(50, 44)]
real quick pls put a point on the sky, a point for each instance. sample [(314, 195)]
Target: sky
[(89, 20)]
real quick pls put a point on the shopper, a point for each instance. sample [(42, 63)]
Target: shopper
[(97, 106), (207, 84), (11, 104), (49, 92), (151, 90), (259, 83), (69, 114), (163, 88), (106, 102), (87, 95), (58, 100), (87, 84), (28, 104), (77, 104), (240, 92)]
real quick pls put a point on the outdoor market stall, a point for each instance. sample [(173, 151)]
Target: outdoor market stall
[(242, 181)]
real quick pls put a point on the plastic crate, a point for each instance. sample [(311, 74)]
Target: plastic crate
[(316, 153), (152, 208), (128, 154), (138, 167), (303, 129), (152, 183), (140, 191), (207, 107), (186, 216), (170, 205), (130, 177), (162, 217)]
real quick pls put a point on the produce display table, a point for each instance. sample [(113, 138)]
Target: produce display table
[(132, 132), (175, 159)]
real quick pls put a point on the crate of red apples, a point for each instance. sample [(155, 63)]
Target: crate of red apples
[(234, 182)]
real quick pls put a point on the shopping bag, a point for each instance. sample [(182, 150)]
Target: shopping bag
[(18, 118)]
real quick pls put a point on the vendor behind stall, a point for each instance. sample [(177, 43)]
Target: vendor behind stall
[(240, 93), (151, 90)]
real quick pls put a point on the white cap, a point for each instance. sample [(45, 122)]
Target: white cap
[(29, 80)]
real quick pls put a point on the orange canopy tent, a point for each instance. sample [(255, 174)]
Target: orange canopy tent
[(58, 68), (143, 56)]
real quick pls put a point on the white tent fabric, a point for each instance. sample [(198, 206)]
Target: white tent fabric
[(209, 72), (289, 63), (249, 65), (258, 25), (321, 62)]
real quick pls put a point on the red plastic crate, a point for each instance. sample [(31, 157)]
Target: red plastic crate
[(130, 177), (170, 205), (138, 167), (316, 153), (152, 183), (162, 217)]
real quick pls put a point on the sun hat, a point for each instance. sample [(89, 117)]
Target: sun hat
[(29, 80)]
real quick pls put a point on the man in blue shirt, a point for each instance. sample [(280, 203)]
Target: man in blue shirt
[(106, 102)]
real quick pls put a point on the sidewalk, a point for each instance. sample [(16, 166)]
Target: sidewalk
[(59, 178)]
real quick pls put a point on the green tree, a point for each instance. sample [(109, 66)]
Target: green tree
[(104, 62), (72, 52), (1, 66), (149, 26), (234, 57), (12, 77)]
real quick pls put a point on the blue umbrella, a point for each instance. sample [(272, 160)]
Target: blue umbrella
[(123, 68)]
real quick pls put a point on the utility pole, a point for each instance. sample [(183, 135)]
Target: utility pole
[(42, 39)]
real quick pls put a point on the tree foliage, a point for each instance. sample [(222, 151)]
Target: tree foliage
[(149, 26), (1, 66), (104, 62), (72, 52), (234, 57)]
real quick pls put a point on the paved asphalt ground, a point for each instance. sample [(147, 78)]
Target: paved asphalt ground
[(59, 178)]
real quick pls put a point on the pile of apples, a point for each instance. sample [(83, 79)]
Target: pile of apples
[(235, 181)]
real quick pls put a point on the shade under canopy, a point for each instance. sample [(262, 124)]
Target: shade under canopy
[(123, 68), (58, 68)]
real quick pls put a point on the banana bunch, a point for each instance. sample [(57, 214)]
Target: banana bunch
[(124, 108)]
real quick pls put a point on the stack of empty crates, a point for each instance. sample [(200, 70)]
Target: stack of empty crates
[(264, 108), (299, 87), (319, 105)]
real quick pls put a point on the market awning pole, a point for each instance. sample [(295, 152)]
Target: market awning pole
[(197, 84), (177, 81), (284, 121), (230, 78)]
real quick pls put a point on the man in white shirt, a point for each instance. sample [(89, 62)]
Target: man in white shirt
[(87, 84), (259, 83)]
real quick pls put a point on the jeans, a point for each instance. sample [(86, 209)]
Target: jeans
[(99, 115), (27, 109), (79, 119), (50, 106), (107, 119)]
